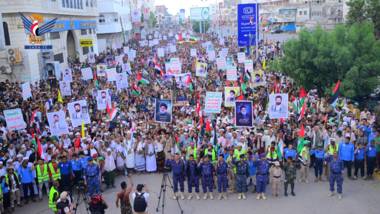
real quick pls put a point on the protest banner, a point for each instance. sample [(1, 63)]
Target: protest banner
[(26, 92), (221, 62), (111, 74), (160, 52), (231, 73), (248, 65), (241, 57), (211, 55), (14, 119), (213, 102), (87, 73), (175, 66), (193, 52)]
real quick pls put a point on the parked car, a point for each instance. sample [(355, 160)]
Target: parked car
[(276, 31)]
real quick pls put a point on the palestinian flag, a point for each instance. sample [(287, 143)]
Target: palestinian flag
[(158, 82), (146, 72), (190, 83), (241, 97), (41, 153), (302, 113), (235, 124), (194, 39), (280, 149), (142, 80), (301, 139), (303, 96), (158, 70), (255, 110), (135, 90), (114, 114), (247, 75), (198, 107), (33, 140), (178, 37), (33, 115), (335, 96), (201, 116), (96, 82), (108, 109), (218, 79), (208, 127), (295, 105)]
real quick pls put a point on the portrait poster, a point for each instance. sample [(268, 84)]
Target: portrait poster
[(111, 74), (181, 79), (67, 75), (231, 73), (14, 119), (193, 52), (163, 112), (151, 61), (278, 106), (224, 51), (201, 70), (110, 62), (102, 98), (211, 55), (26, 91), (241, 57), (87, 73), (91, 57), (248, 65), (101, 70), (213, 102), (57, 123), (221, 62), (230, 94), (229, 61), (243, 114), (126, 69), (166, 48), (121, 80), (258, 78), (79, 111), (160, 52), (210, 47), (201, 59), (173, 48), (154, 49), (64, 87)]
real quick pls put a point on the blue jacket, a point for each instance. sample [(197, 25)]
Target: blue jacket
[(370, 151), (335, 166), (346, 151)]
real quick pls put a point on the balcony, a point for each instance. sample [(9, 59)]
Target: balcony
[(113, 6)]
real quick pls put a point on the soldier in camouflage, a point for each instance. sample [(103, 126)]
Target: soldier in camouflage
[(290, 175)]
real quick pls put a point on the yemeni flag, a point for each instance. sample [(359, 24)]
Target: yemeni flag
[(335, 96), (113, 116), (40, 151), (190, 83), (178, 37), (158, 70), (280, 149), (302, 113), (33, 115), (96, 82), (301, 139), (194, 39), (208, 127), (142, 80), (303, 96), (77, 143)]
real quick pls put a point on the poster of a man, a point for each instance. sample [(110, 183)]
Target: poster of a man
[(126, 68), (121, 81), (201, 70), (79, 111), (230, 94), (101, 70), (103, 98), (229, 60), (258, 78), (151, 62), (65, 88), (91, 57), (243, 113), (57, 123), (67, 75), (163, 111), (278, 106)]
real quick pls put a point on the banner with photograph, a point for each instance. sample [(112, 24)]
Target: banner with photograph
[(224, 51), (67, 75), (160, 52), (193, 52), (57, 123), (258, 78), (126, 69), (111, 74), (201, 70), (248, 65), (79, 111), (163, 112), (136, 16), (26, 91), (119, 60), (87, 73), (121, 80), (213, 102), (230, 94), (241, 57), (211, 55), (102, 99), (181, 79), (278, 106), (65, 88), (91, 57), (229, 61), (14, 119), (231, 73), (221, 62), (101, 70), (151, 61), (243, 114)]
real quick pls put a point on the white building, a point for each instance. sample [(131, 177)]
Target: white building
[(213, 9), (114, 22), (76, 21)]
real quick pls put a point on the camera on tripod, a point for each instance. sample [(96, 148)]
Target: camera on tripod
[(81, 185)]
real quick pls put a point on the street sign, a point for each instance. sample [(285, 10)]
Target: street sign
[(199, 13), (248, 15)]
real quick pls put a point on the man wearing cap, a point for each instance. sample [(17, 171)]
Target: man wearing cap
[(178, 174), (26, 176), (337, 173), (305, 160), (262, 166), (207, 171), (276, 172), (242, 174), (92, 177), (318, 167), (346, 153), (330, 149), (221, 168), (192, 176)]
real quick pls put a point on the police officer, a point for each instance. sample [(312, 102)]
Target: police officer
[(242, 174), (178, 172), (92, 177), (207, 172), (221, 168), (192, 176), (318, 165), (262, 166), (337, 173)]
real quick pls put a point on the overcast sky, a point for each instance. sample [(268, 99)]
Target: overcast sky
[(175, 5)]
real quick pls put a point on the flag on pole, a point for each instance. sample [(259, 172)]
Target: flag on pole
[(189, 83), (247, 75), (33, 115), (264, 65), (302, 113), (83, 130), (158, 70), (295, 105), (301, 139), (280, 149), (59, 96), (33, 139), (77, 143), (303, 96), (96, 82), (335, 96), (243, 86), (208, 127), (108, 109), (40, 151), (135, 90), (142, 80)]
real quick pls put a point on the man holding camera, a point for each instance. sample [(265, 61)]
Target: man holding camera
[(140, 199), (92, 177), (98, 204)]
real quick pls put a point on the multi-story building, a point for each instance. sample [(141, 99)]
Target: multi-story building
[(114, 22), (76, 21)]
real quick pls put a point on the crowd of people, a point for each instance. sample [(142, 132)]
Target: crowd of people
[(337, 138)]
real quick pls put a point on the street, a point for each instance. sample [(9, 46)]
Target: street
[(359, 196)]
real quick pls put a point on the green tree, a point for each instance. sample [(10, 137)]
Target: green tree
[(373, 13), (319, 60), (274, 65), (364, 10), (196, 26), (153, 19)]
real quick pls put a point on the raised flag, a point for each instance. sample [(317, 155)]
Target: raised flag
[(108, 109), (83, 130), (40, 151), (302, 113), (336, 93), (280, 149), (208, 127), (59, 96), (77, 143), (190, 84), (142, 80), (303, 96), (264, 64), (301, 138), (96, 82), (178, 37), (158, 70), (33, 115)]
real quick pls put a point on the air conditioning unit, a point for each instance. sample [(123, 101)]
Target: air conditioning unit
[(5, 69), (14, 55)]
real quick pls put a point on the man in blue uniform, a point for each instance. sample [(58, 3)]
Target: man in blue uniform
[(66, 173), (242, 174), (178, 172), (221, 168), (262, 166), (290, 152), (318, 164), (337, 172), (92, 177), (252, 168), (192, 176), (346, 153), (370, 152), (207, 172)]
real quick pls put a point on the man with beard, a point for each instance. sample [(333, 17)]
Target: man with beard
[(67, 75), (243, 118), (162, 114), (57, 124), (103, 98), (278, 107), (77, 114)]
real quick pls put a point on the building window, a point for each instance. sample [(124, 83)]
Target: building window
[(91, 3), (58, 57), (75, 4), (102, 20), (83, 32), (71, 3), (67, 3), (85, 50), (89, 31), (63, 3), (86, 3), (300, 12), (304, 13), (54, 35), (6, 34), (81, 5), (116, 20), (53, 0)]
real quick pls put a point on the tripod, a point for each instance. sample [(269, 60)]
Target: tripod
[(85, 200), (165, 178)]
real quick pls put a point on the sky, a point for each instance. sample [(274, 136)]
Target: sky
[(175, 5)]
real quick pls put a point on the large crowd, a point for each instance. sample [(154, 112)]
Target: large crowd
[(231, 159)]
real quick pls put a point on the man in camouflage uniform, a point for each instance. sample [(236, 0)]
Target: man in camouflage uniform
[(290, 175), (232, 172), (377, 112)]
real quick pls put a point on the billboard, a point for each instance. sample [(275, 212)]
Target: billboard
[(136, 17), (248, 16), (199, 13), (146, 14)]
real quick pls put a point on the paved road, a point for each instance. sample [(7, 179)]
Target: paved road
[(358, 197)]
